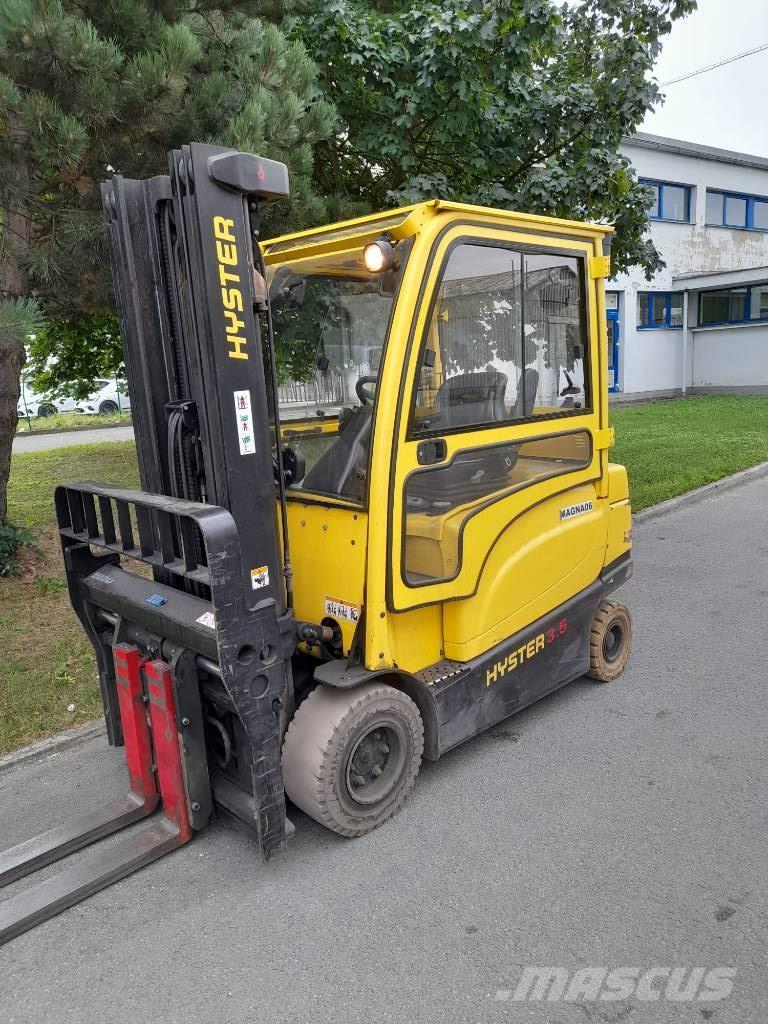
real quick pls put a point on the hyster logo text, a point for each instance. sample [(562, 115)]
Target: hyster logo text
[(231, 296), (526, 652), (575, 510)]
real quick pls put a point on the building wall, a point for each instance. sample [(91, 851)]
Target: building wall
[(698, 248), (730, 357), (654, 361), (651, 360)]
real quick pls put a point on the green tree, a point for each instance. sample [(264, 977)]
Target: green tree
[(517, 105), (87, 88), (66, 356)]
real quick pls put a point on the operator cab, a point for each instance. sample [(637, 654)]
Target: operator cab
[(439, 382)]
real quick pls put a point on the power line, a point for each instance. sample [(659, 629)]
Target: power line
[(718, 64)]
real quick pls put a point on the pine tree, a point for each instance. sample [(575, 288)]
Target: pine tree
[(87, 88)]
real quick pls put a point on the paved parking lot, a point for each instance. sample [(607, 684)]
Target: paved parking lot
[(608, 827)]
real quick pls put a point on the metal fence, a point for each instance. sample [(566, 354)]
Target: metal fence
[(321, 389)]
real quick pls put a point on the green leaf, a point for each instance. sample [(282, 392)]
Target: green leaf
[(524, 105)]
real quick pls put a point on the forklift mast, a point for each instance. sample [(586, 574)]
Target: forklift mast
[(188, 291)]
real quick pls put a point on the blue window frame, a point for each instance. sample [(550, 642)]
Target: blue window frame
[(736, 210), (671, 201), (659, 310), (741, 305)]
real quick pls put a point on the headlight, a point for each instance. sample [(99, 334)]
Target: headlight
[(378, 256)]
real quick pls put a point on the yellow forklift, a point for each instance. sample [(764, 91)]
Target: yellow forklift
[(378, 514)]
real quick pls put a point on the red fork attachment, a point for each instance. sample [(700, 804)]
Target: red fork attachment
[(164, 833)]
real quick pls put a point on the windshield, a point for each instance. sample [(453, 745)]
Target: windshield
[(330, 317)]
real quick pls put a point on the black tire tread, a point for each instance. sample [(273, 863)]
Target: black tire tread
[(599, 669)]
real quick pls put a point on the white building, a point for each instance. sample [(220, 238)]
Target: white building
[(701, 325)]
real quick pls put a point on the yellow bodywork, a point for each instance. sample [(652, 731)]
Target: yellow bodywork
[(485, 569)]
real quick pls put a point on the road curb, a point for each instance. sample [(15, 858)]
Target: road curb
[(702, 493), (72, 430), (74, 737), (53, 745)]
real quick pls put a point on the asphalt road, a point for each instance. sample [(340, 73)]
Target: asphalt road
[(33, 442), (608, 826)]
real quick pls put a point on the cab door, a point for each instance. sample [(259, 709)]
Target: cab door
[(494, 506)]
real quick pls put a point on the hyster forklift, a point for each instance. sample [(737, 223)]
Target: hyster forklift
[(377, 513)]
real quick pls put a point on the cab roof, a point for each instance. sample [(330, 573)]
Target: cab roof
[(408, 220)]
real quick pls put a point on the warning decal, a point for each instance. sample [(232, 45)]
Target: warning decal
[(260, 577), (341, 610), (245, 437)]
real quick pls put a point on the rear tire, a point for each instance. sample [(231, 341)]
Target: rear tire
[(351, 757), (108, 408), (610, 641), (46, 409)]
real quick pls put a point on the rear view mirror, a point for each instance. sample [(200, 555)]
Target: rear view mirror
[(290, 296)]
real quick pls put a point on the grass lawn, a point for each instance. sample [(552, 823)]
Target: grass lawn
[(674, 446), (48, 664), (668, 448)]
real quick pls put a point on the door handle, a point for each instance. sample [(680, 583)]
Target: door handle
[(430, 452)]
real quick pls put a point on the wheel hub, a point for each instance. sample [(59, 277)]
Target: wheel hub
[(612, 641), (374, 764)]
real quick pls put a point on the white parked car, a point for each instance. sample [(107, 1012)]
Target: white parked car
[(108, 399), (32, 404)]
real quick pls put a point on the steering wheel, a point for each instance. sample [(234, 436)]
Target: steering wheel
[(366, 398)]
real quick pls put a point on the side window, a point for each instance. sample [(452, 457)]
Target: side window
[(506, 341)]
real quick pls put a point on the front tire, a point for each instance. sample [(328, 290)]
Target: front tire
[(351, 757), (46, 409), (108, 408), (610, 641)]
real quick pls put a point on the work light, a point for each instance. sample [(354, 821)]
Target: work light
[(378, 255)]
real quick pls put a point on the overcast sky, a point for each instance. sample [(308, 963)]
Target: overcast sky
[(727, 107)]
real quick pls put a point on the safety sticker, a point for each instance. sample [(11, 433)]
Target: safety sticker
[(207, 619), (341, 610), (244, 415), (575, 510), (101, 577), (260, 577)]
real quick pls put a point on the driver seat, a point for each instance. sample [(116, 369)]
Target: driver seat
[(528, 387), (472, 398), (342, 469)]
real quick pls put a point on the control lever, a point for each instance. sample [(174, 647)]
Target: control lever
[(570, 388)]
